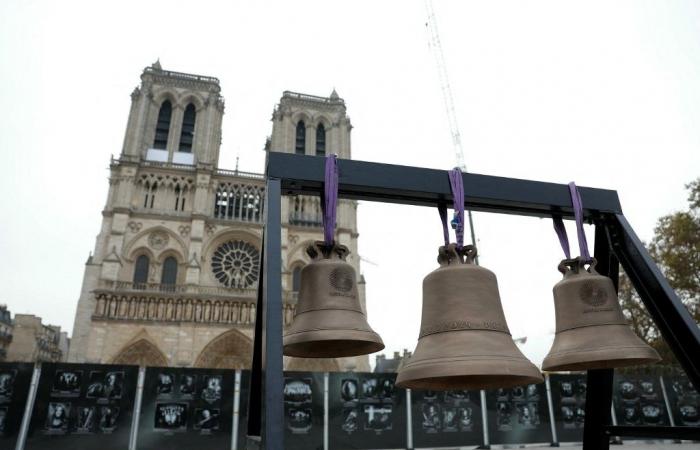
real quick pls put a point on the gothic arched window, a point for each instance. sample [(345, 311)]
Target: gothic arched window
[(141, 270), (163, 125), (300, 145), (187, 134), (321, 140), (296, 279), (169, 275)]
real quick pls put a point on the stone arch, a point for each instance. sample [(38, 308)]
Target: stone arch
[(297, 254), (129, 247), (165, 94), (312, 364), (191, 97), (230, 350), (301, 115), (141, 352), (323, 119)]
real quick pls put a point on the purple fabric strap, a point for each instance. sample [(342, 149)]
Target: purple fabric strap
[(457, 187), (578, 214), (442, 209), (330, 199), (561, 232)]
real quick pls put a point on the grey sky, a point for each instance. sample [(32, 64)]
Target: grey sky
[(605, 95)]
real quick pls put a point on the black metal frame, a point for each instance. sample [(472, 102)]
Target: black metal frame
[(289, 174)]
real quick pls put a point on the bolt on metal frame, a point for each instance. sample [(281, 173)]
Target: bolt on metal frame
[(615, 242)]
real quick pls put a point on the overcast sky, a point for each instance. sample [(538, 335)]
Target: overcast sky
[(606, 95)]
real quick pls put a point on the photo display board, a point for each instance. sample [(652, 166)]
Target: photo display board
[(243, 410), (446, 419), (184, 408), (639, 400), (518, 415), (684, 401), (569, 402), (15, 379), (366, 411), (303, 410), (85, 406)]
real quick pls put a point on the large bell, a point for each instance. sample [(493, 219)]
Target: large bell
[(592, 332), (464, 341), (329, 321)]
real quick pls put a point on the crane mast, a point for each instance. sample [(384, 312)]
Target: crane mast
[(436, 47)]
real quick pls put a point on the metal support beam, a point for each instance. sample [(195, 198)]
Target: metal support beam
[(389, 183), (675, 323), (272, 361)]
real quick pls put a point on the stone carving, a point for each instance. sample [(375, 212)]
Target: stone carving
[(184, 230), (134, 227), (210, 229), (158, 240)]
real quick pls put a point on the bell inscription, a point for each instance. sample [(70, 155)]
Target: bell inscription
[(593, 294)]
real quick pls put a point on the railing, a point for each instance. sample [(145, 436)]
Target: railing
[(182, 76), (302, 220), (169, 309), (313, 98), (239, 173), (128, 286)]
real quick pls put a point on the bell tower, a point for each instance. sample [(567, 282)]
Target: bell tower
[(311, 125), (174, 118)]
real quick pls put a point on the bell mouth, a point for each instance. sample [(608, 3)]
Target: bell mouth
[(598, 347), (332, 343), (468, 382)]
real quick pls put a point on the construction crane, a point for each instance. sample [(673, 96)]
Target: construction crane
[(436, 47)]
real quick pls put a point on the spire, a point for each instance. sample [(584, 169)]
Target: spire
[(334, 95), (156, 65)]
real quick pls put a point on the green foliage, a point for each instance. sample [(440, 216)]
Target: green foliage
[(676, 249)]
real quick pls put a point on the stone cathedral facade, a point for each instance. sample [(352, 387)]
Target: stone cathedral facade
[(172, 280)]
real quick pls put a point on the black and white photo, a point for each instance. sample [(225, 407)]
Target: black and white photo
[(66, 383), (378, 417), (211, 391), (299, 420), (297, 391), (206, 419), (57, 417), (108, 418), (171, 416), (165, 387)]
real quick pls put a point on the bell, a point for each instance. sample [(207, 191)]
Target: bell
[(329, 321), (464, 341), (592, 332)]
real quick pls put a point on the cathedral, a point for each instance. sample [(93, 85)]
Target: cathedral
[(172, 280)]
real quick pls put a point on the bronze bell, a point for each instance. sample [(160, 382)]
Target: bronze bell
[(592, 332), (464, 341), (329, 321)]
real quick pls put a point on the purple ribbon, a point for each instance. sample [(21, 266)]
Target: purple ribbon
[(561, 232), (578, 215), (329, 204), (457, 187)]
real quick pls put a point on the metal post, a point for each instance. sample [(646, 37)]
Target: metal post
[(325, 411), (28, 407), (255, 395), (617, 440), (667, 402), (600, 382), (133, 437), (484, 421), (550, 406), (409, 421), (272, 362), (236, 410)]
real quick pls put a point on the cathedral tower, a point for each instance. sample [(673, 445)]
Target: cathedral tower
[(173, 276)]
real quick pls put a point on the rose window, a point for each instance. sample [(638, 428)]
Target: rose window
[(236, 264)]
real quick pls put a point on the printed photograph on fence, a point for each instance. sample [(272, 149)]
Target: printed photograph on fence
[(206, 420), (7, 383), (105, 385), (188, 385), (108, 418), (66, 383), (85, 420), (378, 418), (297, 391), (171, 416), (299, 420), (212, 388), (165, 385), (57, 418)]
